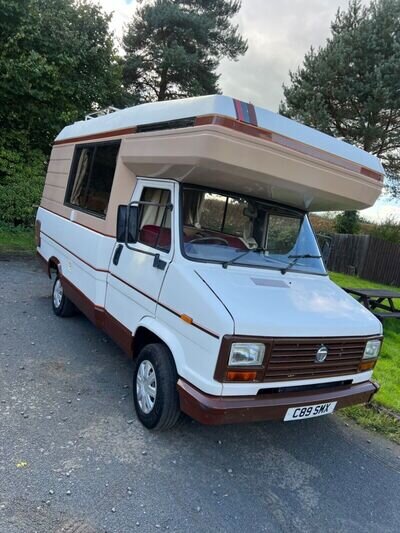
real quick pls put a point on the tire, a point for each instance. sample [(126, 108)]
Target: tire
[(62, 306), (155, 369)]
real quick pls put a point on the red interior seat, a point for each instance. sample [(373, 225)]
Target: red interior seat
[(155, 236)]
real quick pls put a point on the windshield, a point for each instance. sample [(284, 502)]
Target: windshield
[(243, 231)]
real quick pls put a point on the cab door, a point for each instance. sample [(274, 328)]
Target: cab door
[(136, 275)]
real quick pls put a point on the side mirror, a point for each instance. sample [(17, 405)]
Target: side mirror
[(127, 224)]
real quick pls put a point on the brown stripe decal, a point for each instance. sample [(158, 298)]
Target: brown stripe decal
[(72, 253), (198, 326), (281, 140), (120, 334), (246, 122), (371, 174), (166, 307), (96, 136), (233, 124)]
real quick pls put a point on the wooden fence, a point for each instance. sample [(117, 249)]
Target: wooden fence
[(365, 256)]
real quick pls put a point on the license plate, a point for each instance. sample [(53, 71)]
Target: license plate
[(309, 411)]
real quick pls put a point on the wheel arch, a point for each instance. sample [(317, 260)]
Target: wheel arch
[(53, 264), (151, 331)]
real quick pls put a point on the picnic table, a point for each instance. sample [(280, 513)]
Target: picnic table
[(373, 299)]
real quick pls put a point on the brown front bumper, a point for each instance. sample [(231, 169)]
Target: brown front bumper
[(213, 410)]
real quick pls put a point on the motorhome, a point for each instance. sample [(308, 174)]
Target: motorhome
[(181, 229)]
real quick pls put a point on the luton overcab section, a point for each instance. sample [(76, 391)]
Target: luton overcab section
[(181, 229)]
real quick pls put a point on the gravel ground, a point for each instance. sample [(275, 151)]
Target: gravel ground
[(74, 458)]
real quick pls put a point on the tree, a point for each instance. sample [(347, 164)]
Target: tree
[(388, 230), (57, 63), (347, 222), (173, 47), (350, 87)]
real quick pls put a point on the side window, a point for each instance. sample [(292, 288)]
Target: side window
[(92, 176), (155, 220)]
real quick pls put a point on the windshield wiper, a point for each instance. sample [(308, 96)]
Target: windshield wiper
[(234, 259), (296, 258)]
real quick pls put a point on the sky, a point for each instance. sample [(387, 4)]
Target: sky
[(279, 33)]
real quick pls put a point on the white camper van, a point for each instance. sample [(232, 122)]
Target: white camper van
[(181, 229)]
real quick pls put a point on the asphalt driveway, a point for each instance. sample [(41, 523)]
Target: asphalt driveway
[(74, 458)]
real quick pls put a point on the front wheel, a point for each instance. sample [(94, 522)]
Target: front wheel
[(154, 388), (62, 306)]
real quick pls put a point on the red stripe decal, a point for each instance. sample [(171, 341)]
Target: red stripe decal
[(238, 107)]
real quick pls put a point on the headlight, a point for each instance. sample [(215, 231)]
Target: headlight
[(372, 349), (244, 354)]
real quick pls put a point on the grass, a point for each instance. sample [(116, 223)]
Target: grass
[(386, 372), (16, 239), (371, 419)]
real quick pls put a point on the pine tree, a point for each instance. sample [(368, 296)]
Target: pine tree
[(350, 87), (173, 47)]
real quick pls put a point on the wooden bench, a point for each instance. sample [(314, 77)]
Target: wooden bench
[(373, 300)]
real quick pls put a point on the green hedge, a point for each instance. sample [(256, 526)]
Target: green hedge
[(22, 174)]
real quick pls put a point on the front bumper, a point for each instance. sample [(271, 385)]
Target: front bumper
[(214, 410)]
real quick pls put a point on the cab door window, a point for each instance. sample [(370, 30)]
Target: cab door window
[(155, 218)]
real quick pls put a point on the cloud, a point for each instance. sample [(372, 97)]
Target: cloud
[(279, 34), (122, 11), (382, 210)]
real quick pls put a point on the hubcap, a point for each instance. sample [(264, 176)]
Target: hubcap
[(146, 386), (57, 294)]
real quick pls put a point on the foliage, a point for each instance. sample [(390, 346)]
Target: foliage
[(22, 173), (57, 63), (347, 222), (16, 239), (388, 230), (349, 87), (173, 47)]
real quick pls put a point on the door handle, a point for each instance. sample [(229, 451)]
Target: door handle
[(117, 254)]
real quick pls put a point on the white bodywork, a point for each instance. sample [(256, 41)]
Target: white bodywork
[(224, 106), (237, 300)]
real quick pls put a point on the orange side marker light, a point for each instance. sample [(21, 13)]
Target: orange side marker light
[(241, 376), (187, 319)]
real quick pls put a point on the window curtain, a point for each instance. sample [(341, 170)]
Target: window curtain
[(81, 173)]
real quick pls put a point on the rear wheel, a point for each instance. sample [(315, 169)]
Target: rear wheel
[(154, 388), (62, 306)]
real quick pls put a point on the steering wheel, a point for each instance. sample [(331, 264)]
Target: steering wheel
[(202, 239)]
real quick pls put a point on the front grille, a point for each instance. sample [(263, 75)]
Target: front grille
[(290, 360)]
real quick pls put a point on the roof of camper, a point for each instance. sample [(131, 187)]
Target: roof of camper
[(170, 110)]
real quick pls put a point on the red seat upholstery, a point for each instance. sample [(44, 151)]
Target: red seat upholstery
[(155, 236)]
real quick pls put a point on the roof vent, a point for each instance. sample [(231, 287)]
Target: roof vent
[(101, 112)]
